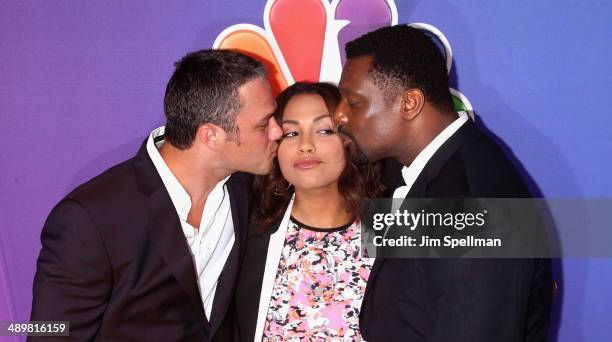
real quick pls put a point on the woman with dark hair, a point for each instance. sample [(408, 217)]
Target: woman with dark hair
[(303, 275)]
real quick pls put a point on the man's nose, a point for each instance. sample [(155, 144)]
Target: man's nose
[(340, 117), (274, 130)]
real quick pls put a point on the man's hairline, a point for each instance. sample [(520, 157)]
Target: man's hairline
[(235, 131), (372, 71)]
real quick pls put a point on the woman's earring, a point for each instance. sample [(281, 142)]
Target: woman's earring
[(282, 191), (275, 191)]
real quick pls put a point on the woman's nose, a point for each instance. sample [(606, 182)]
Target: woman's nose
[(306, 145)]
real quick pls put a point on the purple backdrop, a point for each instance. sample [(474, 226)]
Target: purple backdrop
[(82, 85)]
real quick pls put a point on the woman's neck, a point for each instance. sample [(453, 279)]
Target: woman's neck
[(320, 208)]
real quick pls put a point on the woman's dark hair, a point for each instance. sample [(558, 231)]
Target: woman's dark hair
[(272, 192)]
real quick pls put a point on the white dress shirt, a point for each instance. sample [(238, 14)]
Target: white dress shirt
[(209, 245), (411, 173)]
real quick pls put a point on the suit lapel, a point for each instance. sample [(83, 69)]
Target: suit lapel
[(419, 188), (165, 228), (225, 285), (438, 160), (275, 248)]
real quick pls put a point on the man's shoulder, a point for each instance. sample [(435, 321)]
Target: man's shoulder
[(110, 198), (479, 150), (111, 183), (241, 180), (489, 169), (240, 187)]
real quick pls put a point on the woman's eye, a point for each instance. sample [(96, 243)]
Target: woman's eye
[(327, 131), (289, 134)]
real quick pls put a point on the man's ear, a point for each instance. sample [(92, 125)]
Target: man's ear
[(412, 103), (211, 136)]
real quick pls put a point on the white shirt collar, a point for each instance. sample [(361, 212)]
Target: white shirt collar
[(411, 172), (212, 243), (180, 198)]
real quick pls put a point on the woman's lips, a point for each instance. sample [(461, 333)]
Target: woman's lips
[(306, 163)]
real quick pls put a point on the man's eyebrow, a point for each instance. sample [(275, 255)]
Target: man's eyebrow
[(346, 90), (295, 122), (266, 118)]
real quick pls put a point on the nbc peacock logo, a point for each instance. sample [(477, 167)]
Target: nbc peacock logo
[(303, 40)]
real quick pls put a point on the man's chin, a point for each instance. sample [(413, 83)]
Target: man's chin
[(356, 153), (263, 170)]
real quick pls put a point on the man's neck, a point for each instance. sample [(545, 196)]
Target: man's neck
[(322, 208), (197, 174), (424, 133)]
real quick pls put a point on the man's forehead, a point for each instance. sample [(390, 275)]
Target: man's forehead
[(355, 72), (257, 111), (255, 88), (360, 62), (256, 92)]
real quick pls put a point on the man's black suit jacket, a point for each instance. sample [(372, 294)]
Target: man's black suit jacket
[(459, 299), (437, 299), (115, 262)]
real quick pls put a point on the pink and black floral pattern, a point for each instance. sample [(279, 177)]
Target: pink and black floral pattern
[(319, 286)]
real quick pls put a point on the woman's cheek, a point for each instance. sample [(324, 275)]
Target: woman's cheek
[(338, 154), (336, 162), (284, 159), (339, 167)]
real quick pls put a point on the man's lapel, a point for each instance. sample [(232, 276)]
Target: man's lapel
[(439, 159), (165, 228), (429, 173), (237, 188)]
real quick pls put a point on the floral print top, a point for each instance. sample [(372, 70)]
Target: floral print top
[(319, 286)]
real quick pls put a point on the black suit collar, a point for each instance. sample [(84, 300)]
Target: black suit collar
[(237, 186), (149, 180), (166, 229), (468, 132)]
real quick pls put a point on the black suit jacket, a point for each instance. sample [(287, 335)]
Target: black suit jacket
[(459, 299), (437, 299), (248, 289), (115, 263)]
